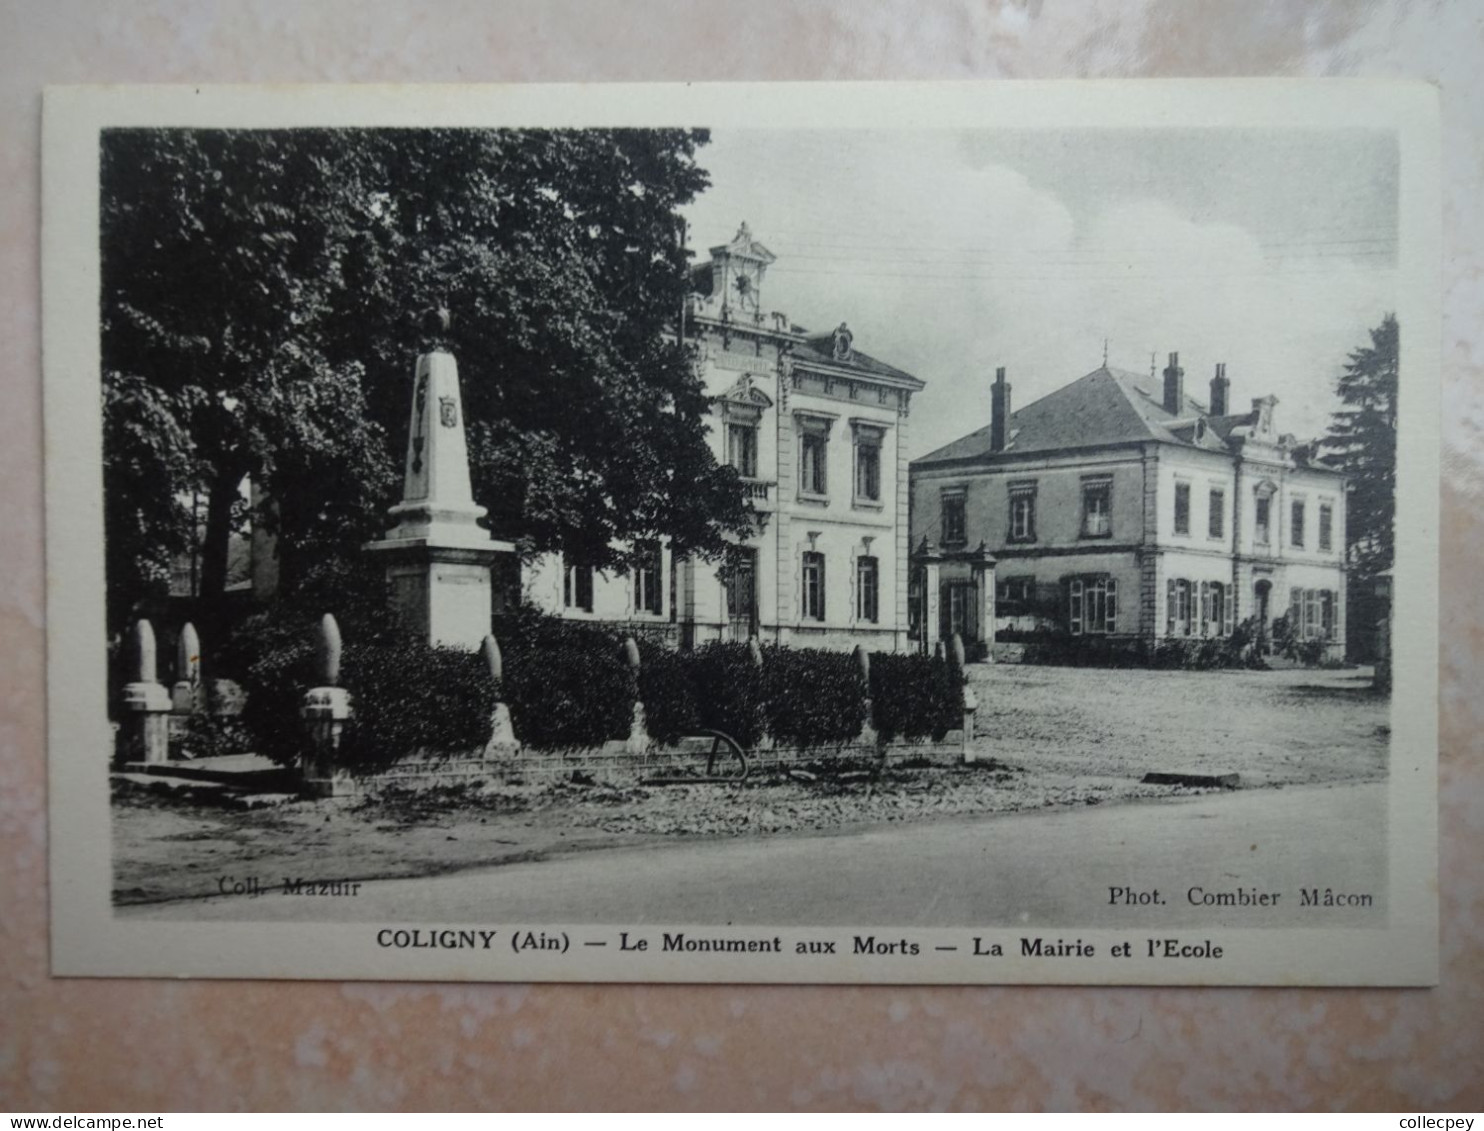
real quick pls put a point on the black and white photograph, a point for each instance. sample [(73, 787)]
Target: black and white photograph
[(965, 537)]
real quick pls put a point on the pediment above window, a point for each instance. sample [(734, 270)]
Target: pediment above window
[(745, 394)]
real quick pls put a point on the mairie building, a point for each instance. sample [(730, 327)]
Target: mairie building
[(1120, 506), (817, 431)]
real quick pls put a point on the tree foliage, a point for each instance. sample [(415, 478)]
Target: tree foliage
[(1362, 444), (265, 295)]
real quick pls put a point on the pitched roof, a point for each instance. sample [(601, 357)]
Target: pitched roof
[(1107, 406), (818, 349)]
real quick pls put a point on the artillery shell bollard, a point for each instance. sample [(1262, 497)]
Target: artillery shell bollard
[(868, 735), (638, 740), (502, 743), (970, 700), (188, 696), (144, 732), (325, 712)]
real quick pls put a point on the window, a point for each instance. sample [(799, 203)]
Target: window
[(1092, 605), (742, 449), (577, 585), (1312, 612), (955, 529), (1097, 507), (867, 465), (1326, 527), (740, 579), (649, 596), (955, 616), (813, 591), (1016, 596), (1296, 526), (1262, 520), (1177, 607), (1022, 512), (867, 576), (814, 448), (1216, 517), (1182, 508), (1216, 608)]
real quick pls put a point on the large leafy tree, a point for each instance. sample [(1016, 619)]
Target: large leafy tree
[(265, 294), (1362, 443)]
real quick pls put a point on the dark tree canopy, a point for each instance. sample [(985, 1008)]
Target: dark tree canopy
[(265, 294), (1362, 443)]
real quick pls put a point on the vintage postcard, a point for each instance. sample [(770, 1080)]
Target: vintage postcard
[(780, 533)]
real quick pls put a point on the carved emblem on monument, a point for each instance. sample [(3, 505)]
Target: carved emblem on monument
[(448, 412)]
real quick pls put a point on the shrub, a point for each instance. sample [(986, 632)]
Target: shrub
[(667, 686), (565, 699), (406, 697), (409, 698), (729, 692), (1310, 653), (275, 680), (813, 697), (914, 696)]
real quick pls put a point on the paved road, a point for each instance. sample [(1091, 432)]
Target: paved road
[(1052, 869)]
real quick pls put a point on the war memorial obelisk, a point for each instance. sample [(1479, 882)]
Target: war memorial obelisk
[(437, 555)]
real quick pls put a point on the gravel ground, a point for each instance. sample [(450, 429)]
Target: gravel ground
[(1301, 726)]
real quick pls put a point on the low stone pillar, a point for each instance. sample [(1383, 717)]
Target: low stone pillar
[(144, 730), (325, 712), (638, 740), (187, 695), (984, 586), (502, 743), (869, 735), (970, 700)]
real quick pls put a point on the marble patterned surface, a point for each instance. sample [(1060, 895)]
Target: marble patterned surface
[(119, 1045)]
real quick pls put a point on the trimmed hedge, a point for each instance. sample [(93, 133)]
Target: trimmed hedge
[(1206, 653), (812, 697), (915, 697), (730, 693), (405, 697), (567, 684), (569, 687)]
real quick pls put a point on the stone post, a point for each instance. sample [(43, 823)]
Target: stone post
[(502, 743), (869, 735), (325, 712), (984, 584), (928, 560), (144, 733), (970, 700), (187, 696), (638, 741)]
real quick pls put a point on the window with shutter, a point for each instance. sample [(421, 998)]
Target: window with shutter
[(1075, 606)]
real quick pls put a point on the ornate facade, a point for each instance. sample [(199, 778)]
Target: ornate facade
[(817, 430)]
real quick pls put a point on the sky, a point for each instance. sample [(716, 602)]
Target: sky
[(950, 253)]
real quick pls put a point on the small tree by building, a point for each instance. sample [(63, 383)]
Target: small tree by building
[(1362, 443)]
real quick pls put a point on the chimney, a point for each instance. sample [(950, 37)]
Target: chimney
[(1219, 388), (1174, 386), (999, 411)]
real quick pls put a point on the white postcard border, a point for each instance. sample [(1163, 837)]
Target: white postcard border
[(89, 939)]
